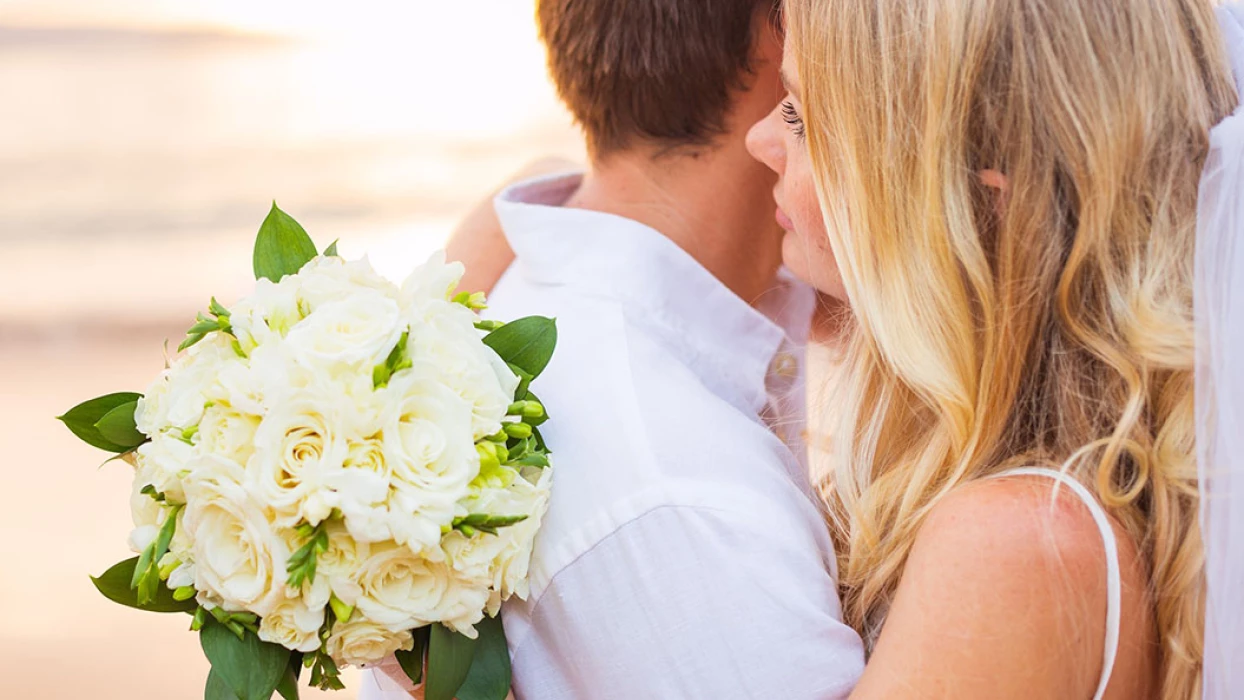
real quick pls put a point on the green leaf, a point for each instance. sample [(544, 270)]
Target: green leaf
[(527, 343), (204, 327), (449, 662), (217, 689), (147, 571), (115, 585), (524, 381), (282, 247), (331, 251), (489, 678), (117, 426), (484, 521), (191, 341), (412, 661), (534, 459), (302, 563), (250, 668), (288, 687), (81, 419), (540, 445), (218, 309)]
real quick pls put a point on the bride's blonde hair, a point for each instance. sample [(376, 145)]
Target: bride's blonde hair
[(1049, 323)]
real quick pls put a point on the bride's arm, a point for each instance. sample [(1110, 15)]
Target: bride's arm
[(478, 242), (1004, 596)]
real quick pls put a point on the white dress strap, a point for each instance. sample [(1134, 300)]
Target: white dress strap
[(1114, 580)]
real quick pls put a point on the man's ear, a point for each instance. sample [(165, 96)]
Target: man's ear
[(996, 181)]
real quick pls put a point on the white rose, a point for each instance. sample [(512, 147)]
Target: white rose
[(360, 330), (401, 589), (515, 560), (265, 380), (148, 515), (298, 446), (435, 280), (329, 279), (449, 342), (267, 313), (503, 558), (466, 607), (163, 463), (340, 565), (227, 433), (361, 641), (415, 520), (429, 448), (151, 414), (177, 397), (239, 556), (362, 489), (293, 625), (360, 495)]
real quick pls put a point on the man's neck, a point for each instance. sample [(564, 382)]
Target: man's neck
[(707, 204)]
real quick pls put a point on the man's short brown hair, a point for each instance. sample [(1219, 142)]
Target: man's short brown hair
[(659, 71)]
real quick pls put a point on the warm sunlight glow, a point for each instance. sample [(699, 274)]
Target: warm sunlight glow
[(143, 142)]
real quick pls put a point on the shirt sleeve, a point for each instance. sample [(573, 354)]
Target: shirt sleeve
[(690, 603)]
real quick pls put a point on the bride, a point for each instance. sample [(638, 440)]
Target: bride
[(1037, 482), (1010, 190)]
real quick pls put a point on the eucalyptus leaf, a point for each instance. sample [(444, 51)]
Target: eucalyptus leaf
[(81, 419), (282, 246), (252, 669), (118, 427), (115, 585), (527, 343), (449, 662)]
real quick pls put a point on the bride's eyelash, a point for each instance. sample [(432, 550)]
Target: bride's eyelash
[(792, 118)]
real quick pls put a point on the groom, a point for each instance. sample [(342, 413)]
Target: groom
[(683, 555)]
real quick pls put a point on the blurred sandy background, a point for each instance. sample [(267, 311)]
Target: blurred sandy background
[(141, 142)]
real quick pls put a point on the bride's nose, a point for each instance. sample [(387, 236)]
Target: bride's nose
[(764, 143)]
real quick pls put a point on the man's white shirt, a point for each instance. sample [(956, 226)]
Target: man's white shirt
[(683, 554)]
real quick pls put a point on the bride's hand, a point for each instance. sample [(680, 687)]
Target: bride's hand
[(478, 241)]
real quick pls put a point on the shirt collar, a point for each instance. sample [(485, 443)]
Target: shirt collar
[(728, 343)]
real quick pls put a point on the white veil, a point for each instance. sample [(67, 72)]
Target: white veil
[(1220, 384)]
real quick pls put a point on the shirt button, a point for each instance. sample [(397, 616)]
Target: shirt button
[(784, 365)]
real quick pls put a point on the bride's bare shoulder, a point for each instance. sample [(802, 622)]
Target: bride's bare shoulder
[(1004, 572), (1030, 519)]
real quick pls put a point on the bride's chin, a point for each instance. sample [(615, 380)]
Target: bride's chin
[(813, 263)]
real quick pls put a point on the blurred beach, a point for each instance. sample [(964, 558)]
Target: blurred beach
[(141, 145)]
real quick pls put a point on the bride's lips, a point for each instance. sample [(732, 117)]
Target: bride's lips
[(784, 220)]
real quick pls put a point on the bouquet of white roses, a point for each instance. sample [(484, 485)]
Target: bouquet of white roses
[(335, 469)]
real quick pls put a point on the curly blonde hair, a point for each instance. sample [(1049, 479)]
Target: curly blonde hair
[(1050, 324)]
